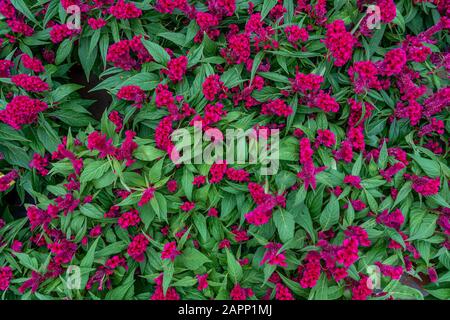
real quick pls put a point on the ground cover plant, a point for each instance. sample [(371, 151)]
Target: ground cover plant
[(96, 204)]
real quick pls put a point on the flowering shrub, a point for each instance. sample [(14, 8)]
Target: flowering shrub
[(357, 208)]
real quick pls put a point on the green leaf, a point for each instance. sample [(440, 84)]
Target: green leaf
[(186, 182), (194, 56), (145, 80), (9, 134), (112, 249), (330, 215), (267, 6), (373, 205), (63, 91), (425, 229), (22, 7), (403, 193), (234, 268), (123, 292), (192, 259), (382, 158), (349, 215), (268, 271), (394, 235), (376, 39), (15, 155), (357, 166), (148, 153), (147, 214), (294, 286), (256, 62), (168, 268), (103, 46), (88, 259), (443, 294), (305, 221), (155, 172), (94, 170), (94, 40), (47, 135), (200, 224), (156, 51), (274, 77), (431, 167), (285, 224), (438, 199), (64, 50), (27, 261), (320, 290), (176, 37), (161, 208), (91, 211), (51, 11), (87, 58), (402, 292), (185, 282)]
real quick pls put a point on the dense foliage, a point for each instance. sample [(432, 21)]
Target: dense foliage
[(361, 195)]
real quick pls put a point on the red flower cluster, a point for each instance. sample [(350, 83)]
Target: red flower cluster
[(129, 219), (137, 247), (30, 83), (125, 10), (277, 107), (5, 277), (339, 42), (132, 93), (60, 32), (176, 68), (120, 54), (22, 110), (7, 180), (213, 88), (33, 64)]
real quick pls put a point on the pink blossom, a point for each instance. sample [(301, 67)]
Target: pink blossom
[(339, 42), (202, 281), (147, 195), (176, 68), (122, 10), (170, 251), (6, 276), (272, 255), (129, 219), (22, 110), (137, 247)]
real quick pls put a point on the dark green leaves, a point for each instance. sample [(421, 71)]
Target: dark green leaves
[(186, 182), (285, 224), (426, 228), (156, 51), (94, 170), (63, 91), (148, 153), (267, 6), (23, 8), (64, 50), (91, 211), (193, 259), (234, 268), (330, 215)]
